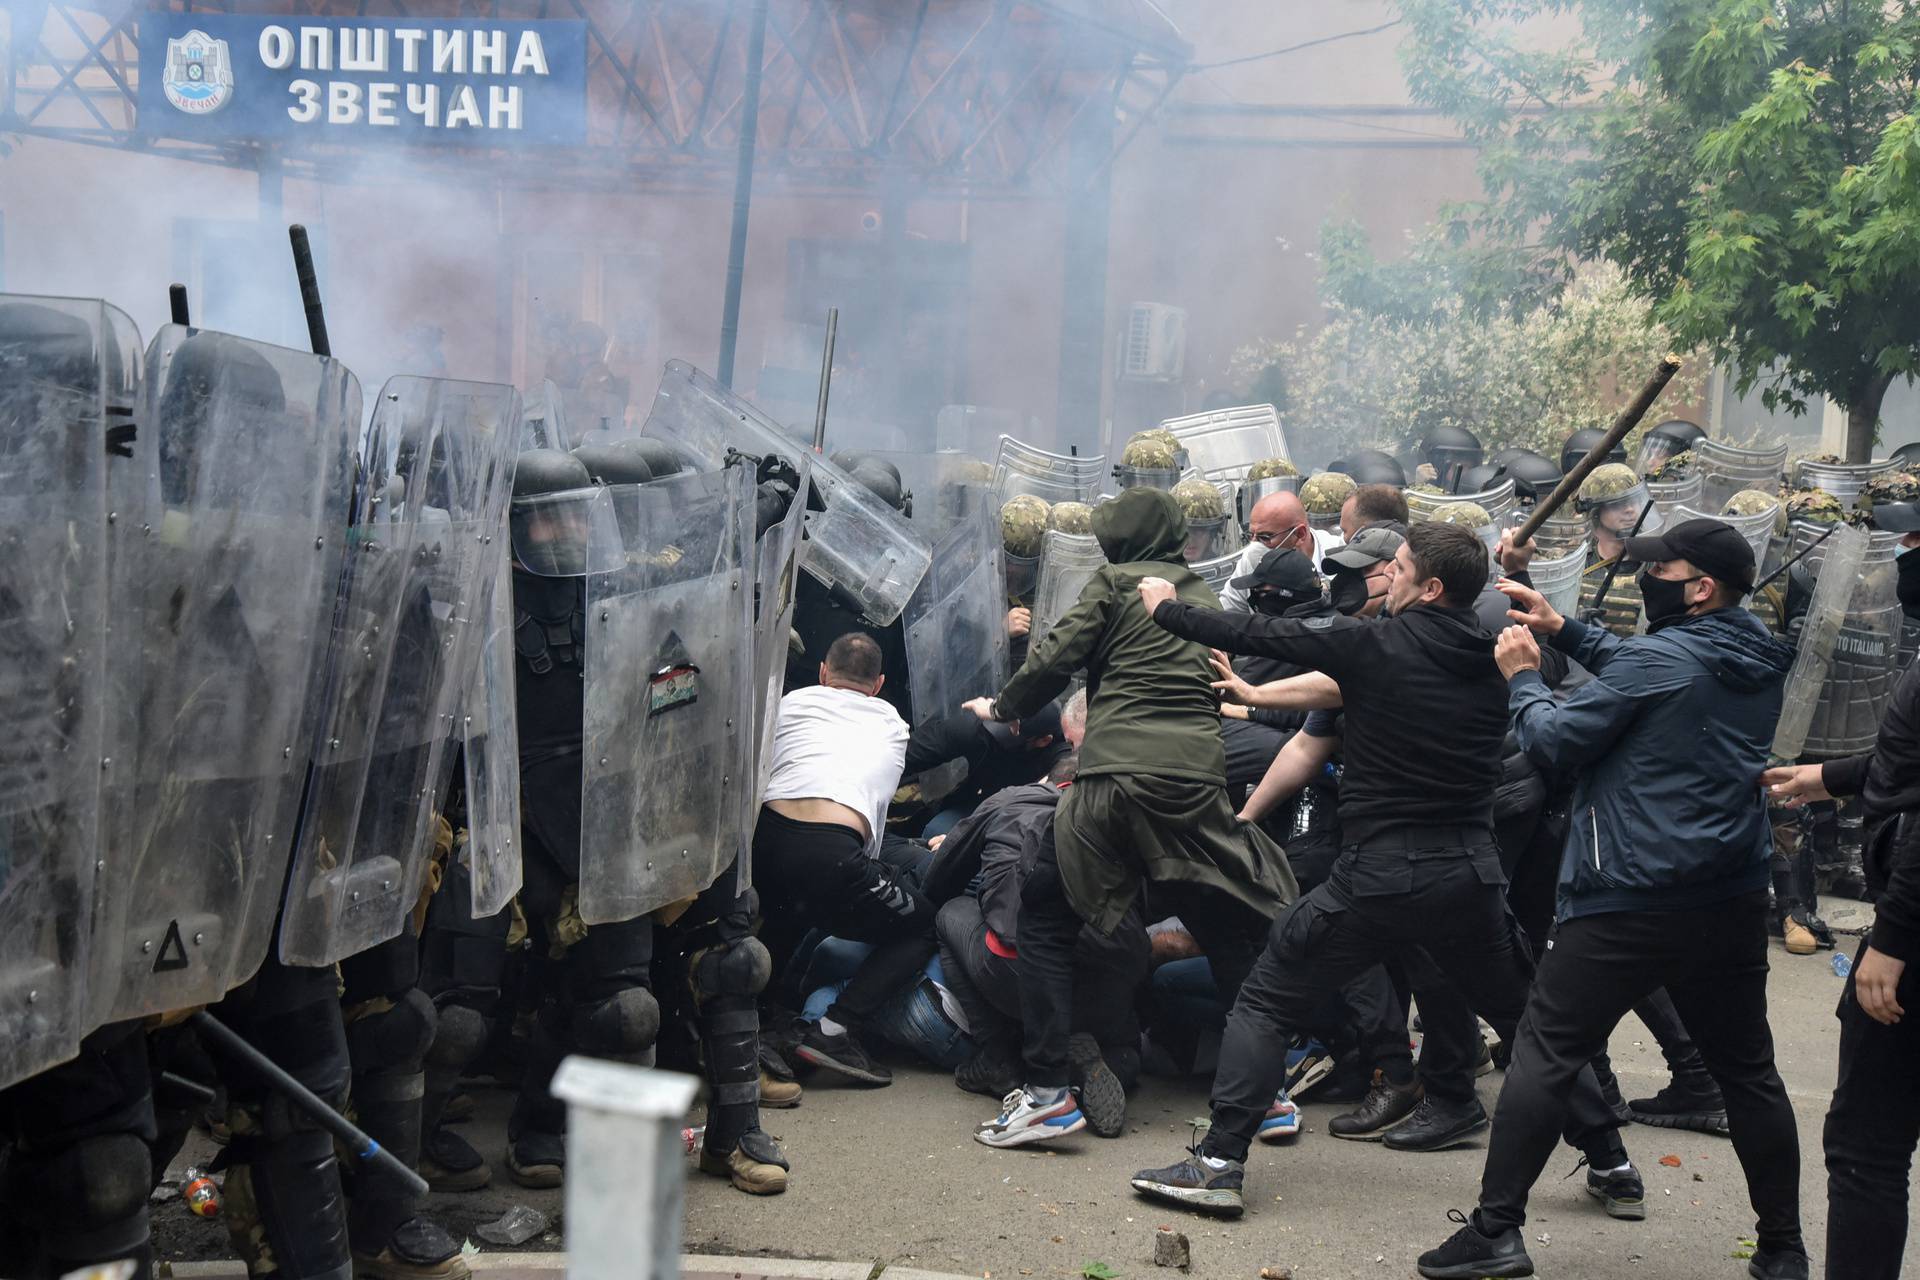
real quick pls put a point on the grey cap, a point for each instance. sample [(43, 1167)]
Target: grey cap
[(1371, 545)]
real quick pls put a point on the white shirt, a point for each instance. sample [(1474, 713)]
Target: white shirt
[(839, 745), (1234, 600)]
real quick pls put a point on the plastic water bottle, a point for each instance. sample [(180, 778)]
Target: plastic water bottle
[(198, 1190), (1842, 966)]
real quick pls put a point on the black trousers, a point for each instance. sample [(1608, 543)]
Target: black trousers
[(817, 875), (1107, 973), (1380, 901), (1227, 930), (1872, 1128), (1713, 962)]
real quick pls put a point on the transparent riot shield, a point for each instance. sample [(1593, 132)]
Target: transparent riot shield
[(1021, 468), (1068, 562), (1726, 470), (1224, 443), (669, 706), (1218, 572), (942, 488), (1833, 591), (776, 575), (364, 848), (956, 623), (490, 743), (225, 580), (69, 377), (856, 545), (1865, 663)]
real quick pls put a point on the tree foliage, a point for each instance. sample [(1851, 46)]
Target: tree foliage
[(1752, 166)]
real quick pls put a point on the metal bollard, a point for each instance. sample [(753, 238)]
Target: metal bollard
[(626, 1168)]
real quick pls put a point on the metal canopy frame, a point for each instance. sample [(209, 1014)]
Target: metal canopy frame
[(979, 98)]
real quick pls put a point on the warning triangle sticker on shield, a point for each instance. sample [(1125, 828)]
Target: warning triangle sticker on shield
[(173, 951)]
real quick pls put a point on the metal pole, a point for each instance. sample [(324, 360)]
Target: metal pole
[(826, 381), (224, 1038), (742, 192), (309, 291)]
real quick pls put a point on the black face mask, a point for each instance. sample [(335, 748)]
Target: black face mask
[(1665, 598), (1271, 603), (1347, 591), (1908, 587)]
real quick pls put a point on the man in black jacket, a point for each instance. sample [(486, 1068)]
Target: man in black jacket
[(1282, 585), (1874, 1122), (1418, 865)]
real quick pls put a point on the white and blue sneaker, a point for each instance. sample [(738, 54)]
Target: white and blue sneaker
[(1282, 1120), (1024, 1119)]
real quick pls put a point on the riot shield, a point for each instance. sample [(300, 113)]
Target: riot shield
[(1865, 662), (856, 545), (1842, 555), (1224, 443), (943, 488), (225, 572), (1068, 562), (490, 746), (69, 376), (1726, 470), (956, 624), (364, 848), (776, 575), (669, 704), (1218, 572), (1020, 468)]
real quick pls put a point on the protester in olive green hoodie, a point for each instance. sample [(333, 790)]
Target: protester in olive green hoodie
[(1149, 803)]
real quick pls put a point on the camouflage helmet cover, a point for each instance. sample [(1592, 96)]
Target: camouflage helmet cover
[(1023, 522)]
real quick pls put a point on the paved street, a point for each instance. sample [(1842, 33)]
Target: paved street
[(892, 1175)]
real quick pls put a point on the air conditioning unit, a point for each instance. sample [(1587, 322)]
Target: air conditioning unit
[(1154, 347)]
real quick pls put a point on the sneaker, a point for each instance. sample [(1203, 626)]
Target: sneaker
[(1470, 1254), (1620, 1193), (1436, 1125), (841, 1053), (537, 1160), (1385, 1106), (1680, 1106), (1308, 1063), (1102, 1100), (777, 1093), (990, 1072), (1023, 1119), (417, 1250), (1201, 1183), (756, 1164), (1282, 1121), (1799, 939), (449, 1163), (1779, 1264)]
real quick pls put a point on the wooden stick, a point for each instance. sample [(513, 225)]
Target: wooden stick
[(1629, 419)]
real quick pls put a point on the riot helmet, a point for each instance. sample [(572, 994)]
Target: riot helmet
[(1210, 534), (883, 480), (1371, 466), (1478, 479), (1449, 450), (1150, 458), (549, 513), (613, 462), (1581, 443), (1674, 436), (1611, 498), (1533, 475)]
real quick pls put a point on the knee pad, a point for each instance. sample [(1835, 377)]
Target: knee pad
[(460, 1032), (618, 1026), (738, 968), (394, 1036), (91, 1196)]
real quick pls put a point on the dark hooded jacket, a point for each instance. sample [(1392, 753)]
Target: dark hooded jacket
[(1666, 745), (1887, 780), (1150, 702), (1425, 708)]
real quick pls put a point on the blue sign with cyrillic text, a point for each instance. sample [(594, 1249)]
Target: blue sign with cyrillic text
[(214, 77)]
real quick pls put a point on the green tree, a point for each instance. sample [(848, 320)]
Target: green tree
[(1753, 166)]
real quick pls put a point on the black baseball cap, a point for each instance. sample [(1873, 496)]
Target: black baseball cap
[(1283, 571), (1714, 547), (1897, 517)]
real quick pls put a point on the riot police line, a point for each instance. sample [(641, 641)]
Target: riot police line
[(305, 701)]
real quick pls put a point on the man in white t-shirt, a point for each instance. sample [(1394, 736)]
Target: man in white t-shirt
[(838, 749)]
